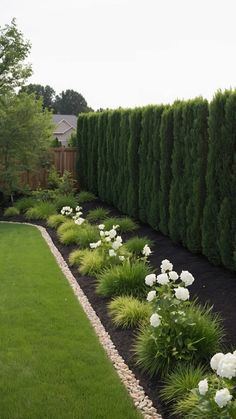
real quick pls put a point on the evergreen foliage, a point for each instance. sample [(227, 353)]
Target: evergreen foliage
[(173, 167)]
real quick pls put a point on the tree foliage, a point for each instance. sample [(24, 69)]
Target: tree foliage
[(70, 102), (47, 93), (25, 134), (13, 52)]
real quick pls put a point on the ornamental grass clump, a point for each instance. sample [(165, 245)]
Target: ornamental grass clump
[(98, 214), (87, 233), (70, 236), (67, 225), (40, 211), (180, 382), (125, 224), (11, 212), (214, 396), (179, 331), (127, 311), (55, 220), (65, 200), (92, 262), (135, 245), (23, 204), (76, 256), (125, 279), (85, 196)]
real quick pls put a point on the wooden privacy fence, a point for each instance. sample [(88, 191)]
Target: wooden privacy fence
[(63, 158)]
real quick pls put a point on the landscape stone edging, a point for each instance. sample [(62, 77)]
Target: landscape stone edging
[(141, 401)]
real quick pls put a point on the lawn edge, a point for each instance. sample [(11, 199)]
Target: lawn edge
[(135, 390)]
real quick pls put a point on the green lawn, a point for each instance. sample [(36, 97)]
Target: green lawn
[(51, 363)]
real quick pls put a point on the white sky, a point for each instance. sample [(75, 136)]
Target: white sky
[(129, 52)]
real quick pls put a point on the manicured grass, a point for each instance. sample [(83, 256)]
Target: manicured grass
[(52, 365)]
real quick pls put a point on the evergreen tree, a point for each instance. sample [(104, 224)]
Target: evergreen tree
[(177, 168), (214, 172), (166, 147), (133, 162)]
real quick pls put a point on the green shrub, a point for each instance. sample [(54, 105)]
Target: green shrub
[(65, 200), (85, 196), (11, 212), (125, 224), (178, 383), (136, 244), (40, 211), (43, 195), (70, 236), (67, 225), (53, 178), (156, 352), (92, 262), (23, 204), (97, 214), (126, 279), (76, 256), (55, 220), (67, 184), (87, 234), (129, 311)]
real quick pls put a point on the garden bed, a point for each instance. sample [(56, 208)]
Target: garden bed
[(212, 284)]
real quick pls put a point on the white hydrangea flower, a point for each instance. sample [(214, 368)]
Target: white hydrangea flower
[(101, 226), (77, 215), (203, 387), (227, 366), (79, 221), (115, 227), (187, 278), (66, 210), (112, 233), (182, 293), (78, 208), (166, 266), (119, 239), (108, 239), (151, 295), (150, 279), (102, 234), (146, 250), (95, 245), (112, 253), (162, 279), (155, 320), (173, 275), (214, 363), (107, 233), (116, 245), (122, 258), (222, 397)]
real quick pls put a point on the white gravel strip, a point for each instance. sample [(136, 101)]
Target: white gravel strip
[(140, 399)]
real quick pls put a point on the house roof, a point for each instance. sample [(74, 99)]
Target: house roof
[(69, 120)]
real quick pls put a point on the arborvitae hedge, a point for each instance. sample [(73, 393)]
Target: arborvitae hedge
[(173, 167)]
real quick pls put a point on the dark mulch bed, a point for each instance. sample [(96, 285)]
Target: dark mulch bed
[(215, 285)]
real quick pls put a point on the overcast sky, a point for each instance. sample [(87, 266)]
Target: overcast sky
[(129, 52)]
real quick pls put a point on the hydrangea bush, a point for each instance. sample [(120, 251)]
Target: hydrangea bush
[(111, 246), (179, 330), (69, 212), (215, 395)]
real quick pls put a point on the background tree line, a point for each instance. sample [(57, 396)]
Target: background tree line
[(68, 102)]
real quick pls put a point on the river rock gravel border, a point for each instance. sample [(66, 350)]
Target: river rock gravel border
[(140, 399)]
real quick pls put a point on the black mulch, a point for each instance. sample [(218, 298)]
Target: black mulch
[(215, 285)]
